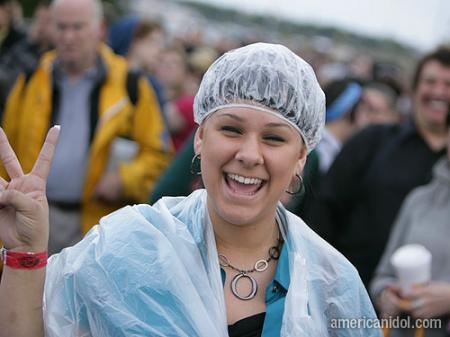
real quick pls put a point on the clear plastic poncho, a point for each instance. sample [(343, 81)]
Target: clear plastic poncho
[(154, 271), (273, 77)]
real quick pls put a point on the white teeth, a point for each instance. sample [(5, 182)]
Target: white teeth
[(438, 104), (244, 180)]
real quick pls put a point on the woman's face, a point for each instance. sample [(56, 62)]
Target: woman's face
[(374, 108), (171, 69), (147, 50), (248, 159)]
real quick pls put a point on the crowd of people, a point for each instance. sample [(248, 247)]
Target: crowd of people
[(294, 198)]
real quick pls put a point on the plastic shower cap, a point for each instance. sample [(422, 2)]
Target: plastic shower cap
[(271, 76)]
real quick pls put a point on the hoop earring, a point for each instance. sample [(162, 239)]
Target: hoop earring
[(195, 165), (299, 184)]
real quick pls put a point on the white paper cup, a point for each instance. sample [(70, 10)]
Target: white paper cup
[(412, 264)]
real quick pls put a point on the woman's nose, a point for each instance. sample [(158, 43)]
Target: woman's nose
[(250, 152)]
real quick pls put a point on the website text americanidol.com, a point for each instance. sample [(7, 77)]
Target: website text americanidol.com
[(390, 323)]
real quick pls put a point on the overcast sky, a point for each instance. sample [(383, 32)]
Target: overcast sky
[(420, 23)]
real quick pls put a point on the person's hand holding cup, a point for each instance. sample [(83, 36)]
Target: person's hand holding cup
[(412, 265)]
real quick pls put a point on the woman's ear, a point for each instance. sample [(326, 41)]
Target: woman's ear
[(302, 159), (198, 139)]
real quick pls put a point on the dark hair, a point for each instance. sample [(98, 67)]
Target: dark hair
[(145, 27), (441, 55), (43, 3), (386, 90)]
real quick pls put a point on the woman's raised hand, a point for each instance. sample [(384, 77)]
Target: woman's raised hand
[(23, 205)]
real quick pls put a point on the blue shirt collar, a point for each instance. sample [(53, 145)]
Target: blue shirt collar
[(282, 276)]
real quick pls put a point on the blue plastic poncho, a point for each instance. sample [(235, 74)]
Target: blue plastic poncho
[(154, 271)]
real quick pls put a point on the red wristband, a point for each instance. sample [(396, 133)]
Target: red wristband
[(23, 260)]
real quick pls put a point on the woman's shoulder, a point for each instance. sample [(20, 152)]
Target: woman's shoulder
[(332, 281), (322, 256), (137, 260), (131, 232), (433, 195)]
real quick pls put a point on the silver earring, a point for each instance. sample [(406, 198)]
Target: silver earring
[(195, 165), (299, 185)]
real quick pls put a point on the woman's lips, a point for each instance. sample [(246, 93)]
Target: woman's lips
[(243, 185)]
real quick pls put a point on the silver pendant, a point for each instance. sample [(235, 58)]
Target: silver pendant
[(253, 291)]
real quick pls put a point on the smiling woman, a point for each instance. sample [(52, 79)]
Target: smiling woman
[(248, 160), (225, 261)]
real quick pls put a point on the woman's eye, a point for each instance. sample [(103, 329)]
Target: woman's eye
[(230, 129), (273, 138)]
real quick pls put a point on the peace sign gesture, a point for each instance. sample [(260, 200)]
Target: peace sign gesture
[(23, 204)]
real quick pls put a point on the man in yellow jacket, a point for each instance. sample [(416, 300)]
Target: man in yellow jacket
[(82, 86)]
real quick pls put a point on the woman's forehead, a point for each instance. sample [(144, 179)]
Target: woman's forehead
[(253, 116)]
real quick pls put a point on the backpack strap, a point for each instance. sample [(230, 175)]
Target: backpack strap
[(133, 77)]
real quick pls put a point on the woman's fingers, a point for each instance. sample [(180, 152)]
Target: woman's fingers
[(42, 165), (3, 184), (9, 158), (16, 200)]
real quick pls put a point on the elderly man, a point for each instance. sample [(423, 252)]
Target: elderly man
[(82, 86), (365, 187)]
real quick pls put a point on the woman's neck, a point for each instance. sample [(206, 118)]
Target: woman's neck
[(249, 239)]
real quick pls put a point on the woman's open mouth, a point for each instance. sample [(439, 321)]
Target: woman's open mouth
[(247, 186)]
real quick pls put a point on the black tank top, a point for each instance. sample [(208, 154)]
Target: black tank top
[(251, 326)]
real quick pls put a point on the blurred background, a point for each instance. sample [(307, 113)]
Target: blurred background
[(399, 29), (178, 39), (175, 41)]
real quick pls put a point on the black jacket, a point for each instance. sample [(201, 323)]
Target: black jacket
[(362, 192)]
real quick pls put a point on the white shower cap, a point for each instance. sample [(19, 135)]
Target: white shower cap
[(271, 76)]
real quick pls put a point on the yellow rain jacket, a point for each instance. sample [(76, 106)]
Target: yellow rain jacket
[(27, 119)]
